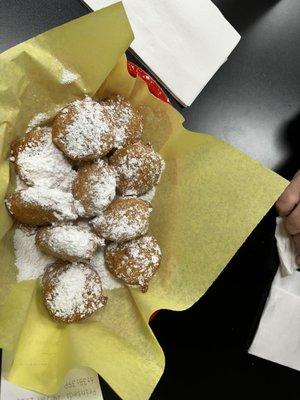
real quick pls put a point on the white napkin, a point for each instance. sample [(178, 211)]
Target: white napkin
[(286, 249), (80, 383), (278, 336), (183, 43)]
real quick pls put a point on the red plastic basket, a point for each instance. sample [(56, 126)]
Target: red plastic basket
[(153, 86)]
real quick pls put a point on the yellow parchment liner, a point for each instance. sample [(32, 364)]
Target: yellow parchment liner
[(210, 198)]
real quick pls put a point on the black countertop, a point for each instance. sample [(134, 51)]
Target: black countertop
[(253, 102)]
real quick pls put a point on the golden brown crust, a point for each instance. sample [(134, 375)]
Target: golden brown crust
[(31, 137), (30, 207), (138, 167), (94, 187), (126, 119), (70, 306), (124, 219), (28, 213), (83, 131), (134, 262)]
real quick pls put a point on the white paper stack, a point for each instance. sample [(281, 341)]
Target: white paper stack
[(183, 43), (278, 336)]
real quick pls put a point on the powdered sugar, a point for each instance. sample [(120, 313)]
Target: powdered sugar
[(100, 183), (148, 196), (41, 163), (74, 292), (88, 131), (68, 77), (85, 130), (84, 223), (20, 185), (144, 251), (125, 219), (72, 240), (79, 208), (103, 187), (29, 260), (37, 120), (120, 136), (121, 113), (135, 261), (138, 167), (129, 166), (61, 203), (108, 281)]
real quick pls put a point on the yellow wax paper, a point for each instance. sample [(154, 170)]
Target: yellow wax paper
[(210, 198)]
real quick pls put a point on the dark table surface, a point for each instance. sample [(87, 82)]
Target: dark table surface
[(253, 102)]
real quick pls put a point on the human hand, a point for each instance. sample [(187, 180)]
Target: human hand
[(288, 207)]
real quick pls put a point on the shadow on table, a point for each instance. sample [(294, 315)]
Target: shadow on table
[(242, 14), (290, 138)]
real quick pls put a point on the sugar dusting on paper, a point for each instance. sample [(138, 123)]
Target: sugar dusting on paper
[(68, 77), (107, 280), (37, 120), (29, 260)]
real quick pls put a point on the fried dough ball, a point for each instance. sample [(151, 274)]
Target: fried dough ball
[(134, 262), (83, 130), (138, 167), (127, 120), (38, 161), (41, 206), (124, 219), (67, 242), (94, 188), (72, 291)]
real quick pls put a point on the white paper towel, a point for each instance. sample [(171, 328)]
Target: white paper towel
[(183, 43), (80, 383), (278, 336), (286, 249)]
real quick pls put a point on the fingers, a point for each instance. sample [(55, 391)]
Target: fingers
[(288, 206), (296, 239), (289, 198), (292, 221)]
